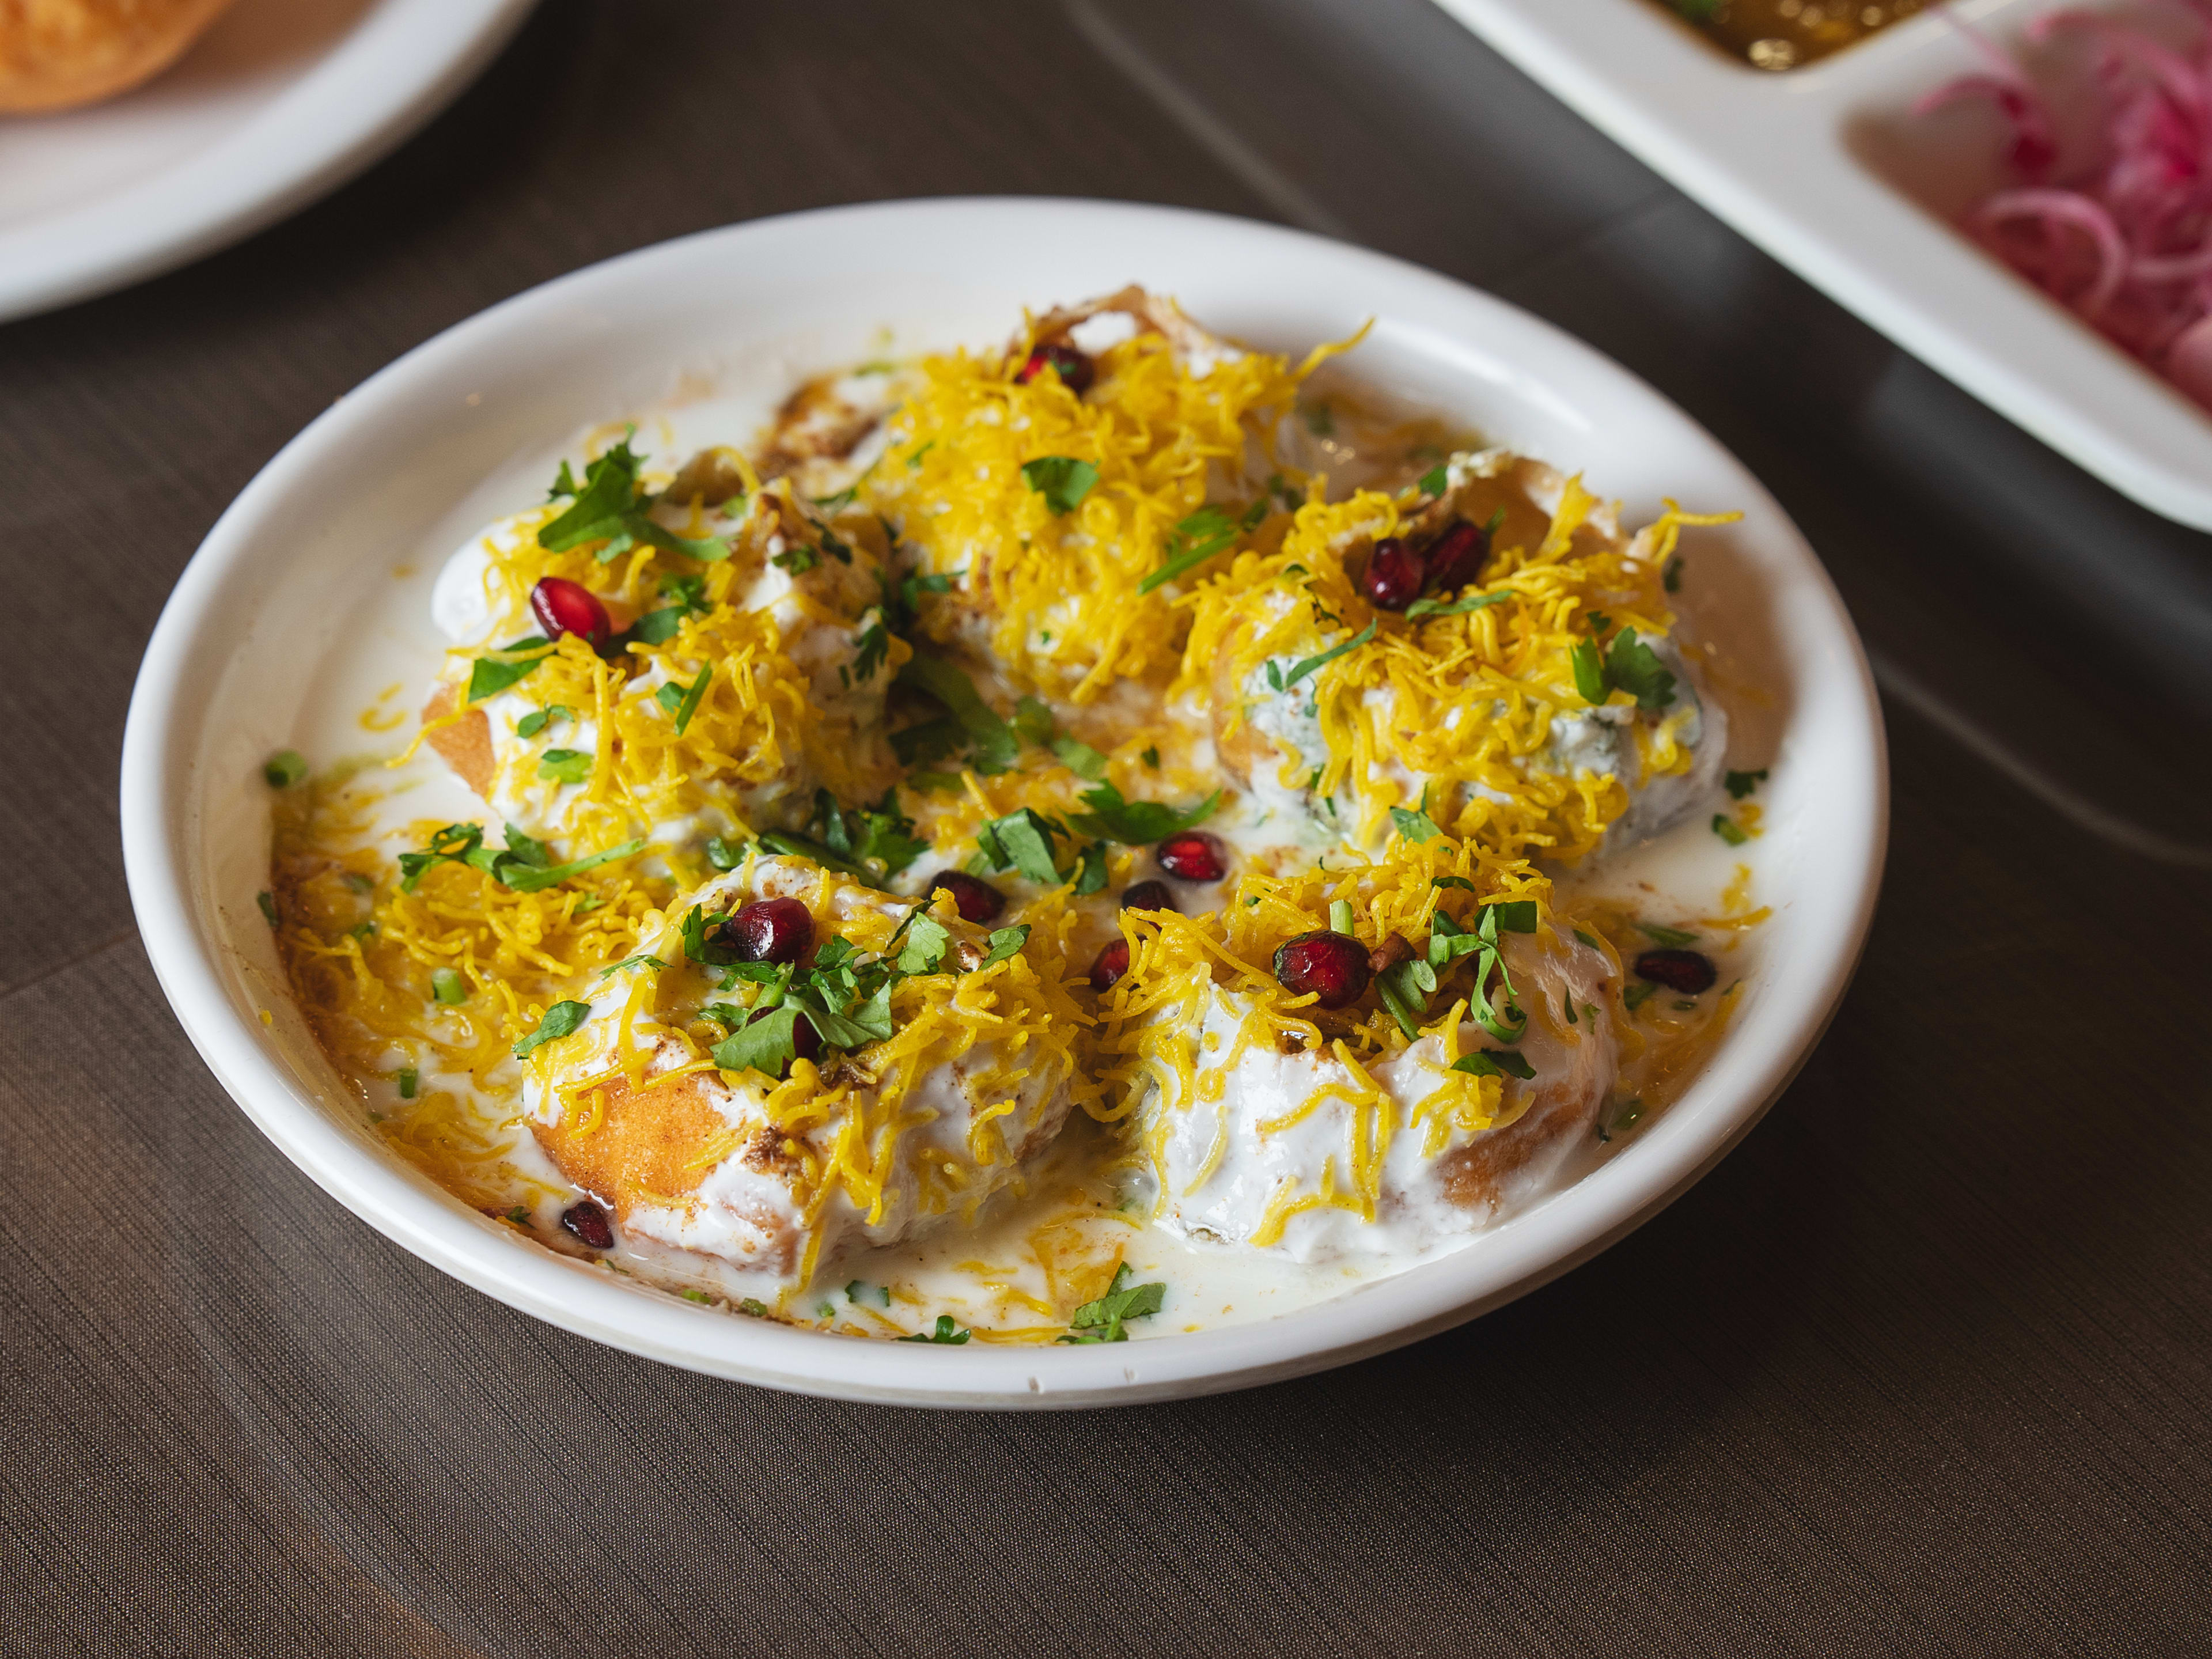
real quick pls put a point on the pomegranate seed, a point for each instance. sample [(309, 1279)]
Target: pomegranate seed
[(1687, 971), (1454, 558), (1394, 576), (1332, 964), (567, 607), (589, 1223), (1074, 367), (1113, 963), (1193, 855), (977, 901), (770, 930), (1150, 896)]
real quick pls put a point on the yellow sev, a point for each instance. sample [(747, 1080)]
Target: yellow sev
[(1060, 594), (995, 1031), (756, 722), (1468, 702), (1186, 972)]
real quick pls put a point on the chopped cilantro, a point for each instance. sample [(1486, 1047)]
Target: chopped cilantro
[(1192, 543), (539, 719), (1152, 758), (1005, 944), (764, 1043), (943, 1331), (1136, 823), (993, 740), (447, 986), (1729, 831), (1330, 655), (1433, 481), (268, 908), (489, 675), (1062, 480), (754, 1306), (518, 1216), (1416, 825), (1102, 1320), (723, 854), (611, 508), (1021, 841), (926, 942), (1319, 419), (691, 1295), (284, 768), (406, 1078), (797, 559), (1495, 1063), (1586, 939), (565, 765), (1457, 607), (1673, 580), (560, 1020), (641, 960), (1635, 669), (1673, 938), (689, 705), (1079, 759), (1740, 784), (522, 867), (1635, 996), (1589, 673)]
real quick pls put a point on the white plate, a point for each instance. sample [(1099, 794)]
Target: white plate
[(274, 587), (280, 101), (1824, 168)]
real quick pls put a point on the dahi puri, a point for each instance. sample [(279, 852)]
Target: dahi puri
[(57, 54)]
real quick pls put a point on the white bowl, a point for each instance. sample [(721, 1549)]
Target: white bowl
[(275, 584)]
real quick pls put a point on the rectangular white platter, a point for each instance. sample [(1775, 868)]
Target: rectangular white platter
[(1827, 168)]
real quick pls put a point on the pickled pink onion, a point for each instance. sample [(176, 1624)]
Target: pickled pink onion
[(2125, 238)]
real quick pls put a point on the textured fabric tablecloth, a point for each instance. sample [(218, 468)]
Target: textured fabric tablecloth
[(1922, 1368)]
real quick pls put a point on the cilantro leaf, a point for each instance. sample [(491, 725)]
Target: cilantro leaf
[(1023, 841), (1035, 721), (641, 960), (268, 908), (1494, 1062), (926, 942), (928, 741), (1104, 1320), (1433, 481), (1062, 480), (1192, 543), (539, 719), (995, 746), (764, 1044), (284, 768), (689, 705), (1415, 826), (564, 765), (943, 1331), (1673, 938), (1589, 673), (1635, 996), (1635, 669), (488, 676), (448, 987), (1136, 823), (1729, 831), (1458, 607), (560, 1019), (530, 878), (1740, 784), (1079, 759), (723, 854), (1514, 916), (1005, 944), (1330, 655)]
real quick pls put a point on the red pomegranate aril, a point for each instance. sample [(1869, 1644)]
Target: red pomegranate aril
[(588, 1222), (1150, 896), (1334, 965), (1075, 368), (1394, 576), (1690, 972), (977, 901), (1193, 855), (565, 607), (770, 930), (1113, 962), (1455, 558)]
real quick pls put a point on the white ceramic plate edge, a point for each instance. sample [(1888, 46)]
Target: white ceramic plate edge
[(162, 747), (1667, 97), (343, 114)]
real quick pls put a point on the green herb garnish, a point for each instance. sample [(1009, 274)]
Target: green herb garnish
[(448, 987), (1729, 831), (1495, 1063), (1740, 784), (560, 1020), (565, 765), (1062, 480), (284, 768), (943, 1331), (1311, 663), (1102, 1320), (1192, 543)]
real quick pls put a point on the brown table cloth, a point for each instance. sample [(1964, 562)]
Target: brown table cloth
[(1922, 1368)]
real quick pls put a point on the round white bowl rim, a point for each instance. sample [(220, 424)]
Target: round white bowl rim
[(163, 738)]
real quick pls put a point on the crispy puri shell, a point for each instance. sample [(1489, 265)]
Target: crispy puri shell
[(466, 745), (56, 54)]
